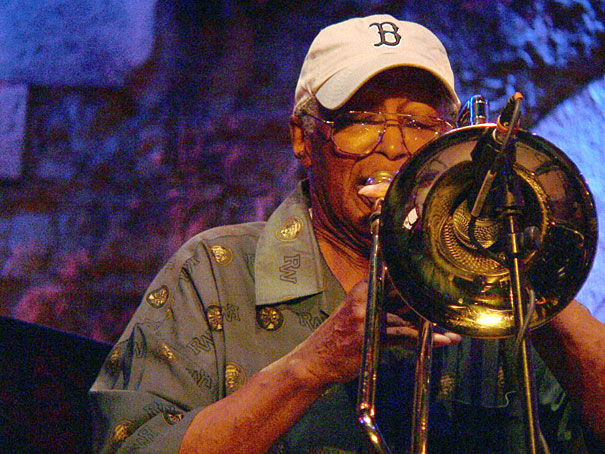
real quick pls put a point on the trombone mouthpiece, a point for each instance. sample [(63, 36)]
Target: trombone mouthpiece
[(377, 184), (381, 176), (375, 188)]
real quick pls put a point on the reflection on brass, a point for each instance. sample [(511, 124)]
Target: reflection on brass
[(269, 318), (235, 377), (444, 222), (222, 254), (448, 222), (487, 230), (447, 276), (172, 417), (290, 230), (215, 318), (121, 432), (534, 234), (158, 298)]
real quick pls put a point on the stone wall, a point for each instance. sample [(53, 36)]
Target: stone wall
[(127, 127)]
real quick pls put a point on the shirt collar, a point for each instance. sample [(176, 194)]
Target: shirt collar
[(288, 262)]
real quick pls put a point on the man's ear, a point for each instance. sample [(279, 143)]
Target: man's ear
[(300, 146)]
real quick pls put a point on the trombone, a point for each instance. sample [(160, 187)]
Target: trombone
[(488, 231)]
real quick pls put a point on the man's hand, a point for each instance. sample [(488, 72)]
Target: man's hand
[(333, 352)]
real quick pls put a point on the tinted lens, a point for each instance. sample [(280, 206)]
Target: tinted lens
[(358, 132), (361, 132), (419, 130)]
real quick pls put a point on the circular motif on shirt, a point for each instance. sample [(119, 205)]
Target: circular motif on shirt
[(222, 254), (165, 352), (235, 377), (113, 361), (158, 297), (269, 318), (121, 432), (446, 385), (215, 318), (172, 417), (501, 379), (290, 230)]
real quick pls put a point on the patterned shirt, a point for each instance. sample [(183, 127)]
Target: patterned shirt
[(236, 298)]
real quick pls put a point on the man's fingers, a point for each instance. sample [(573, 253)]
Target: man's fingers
[(446, 339), (401, 331), (395, 320), (453, 337)]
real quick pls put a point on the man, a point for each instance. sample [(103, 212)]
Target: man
[(249, 340)]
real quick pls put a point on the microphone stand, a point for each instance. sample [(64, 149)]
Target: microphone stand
[(512, 205), (500, 165), (515, 251)]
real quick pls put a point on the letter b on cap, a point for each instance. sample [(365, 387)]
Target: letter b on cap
[(389, 35)]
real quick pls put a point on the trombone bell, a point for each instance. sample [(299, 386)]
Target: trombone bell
[(449, 280), (460, 271)]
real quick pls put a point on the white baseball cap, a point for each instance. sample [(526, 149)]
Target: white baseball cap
[(344, 56)]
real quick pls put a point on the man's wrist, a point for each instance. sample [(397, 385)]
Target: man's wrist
[(300, 371)]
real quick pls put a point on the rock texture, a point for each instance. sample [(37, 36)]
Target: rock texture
[(148, 121), (74, 43)]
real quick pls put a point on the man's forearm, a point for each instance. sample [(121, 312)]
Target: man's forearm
[(253, 418), (573, 347)]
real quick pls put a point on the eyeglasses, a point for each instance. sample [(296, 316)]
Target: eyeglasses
[(357, 133)]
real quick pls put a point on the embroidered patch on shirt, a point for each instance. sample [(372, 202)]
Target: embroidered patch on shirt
[(269, 318), (222, 254), (501, 380), (164, 352), (215, 318), (172, 417), (235, 377), (114, 360), (121, 432), (290, 230), (158, 298), (446, 386)]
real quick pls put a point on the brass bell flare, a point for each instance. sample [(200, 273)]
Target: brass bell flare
[(458, 278)]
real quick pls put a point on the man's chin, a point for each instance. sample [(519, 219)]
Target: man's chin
[(361, 238)]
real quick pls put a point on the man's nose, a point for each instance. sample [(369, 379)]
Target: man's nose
[(393, 144)]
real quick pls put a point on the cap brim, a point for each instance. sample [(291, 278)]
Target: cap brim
[(341, 86)]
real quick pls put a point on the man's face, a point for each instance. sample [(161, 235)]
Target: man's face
[(336, 179)]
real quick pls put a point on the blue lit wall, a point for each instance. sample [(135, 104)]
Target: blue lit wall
[(577, 127), (128, 126)]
